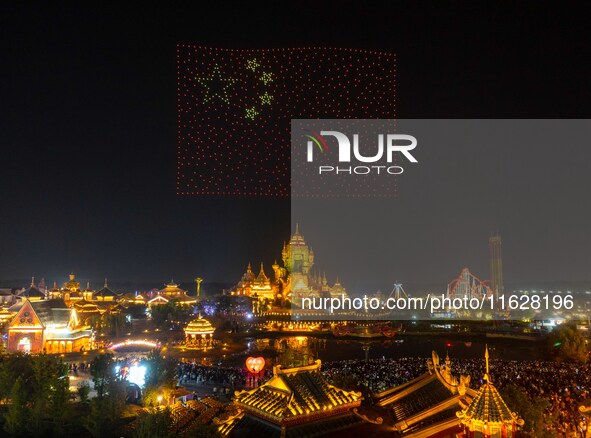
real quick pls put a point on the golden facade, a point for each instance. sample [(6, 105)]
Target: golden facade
[(294, 280), (47, 326)]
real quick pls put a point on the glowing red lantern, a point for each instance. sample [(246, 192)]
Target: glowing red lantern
[(255, 364)]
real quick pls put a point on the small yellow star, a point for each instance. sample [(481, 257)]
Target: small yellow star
[(266, 98), (252, 64), (266, 77), (251, 113)]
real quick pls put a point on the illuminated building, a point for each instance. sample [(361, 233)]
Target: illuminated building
[(72, 285), (172, 291), (294, 280), (488, 415), (32, 293), (55, 292), (294, 402), (251, 284), (7, 297), (71, 290), (105, 294), (46, 326), (87, 292), (496, 264), (199, 333), (427, 406), (437, 404)]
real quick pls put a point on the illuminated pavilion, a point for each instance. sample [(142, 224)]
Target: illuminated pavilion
[(46, 326), (295, 402), (199, 333), (172, 291), (488, 416)]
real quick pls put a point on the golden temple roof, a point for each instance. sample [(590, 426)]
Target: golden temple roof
[(262, 277), (172, 289), (488, 409), (200, 326), (294, 393), (297, 238)]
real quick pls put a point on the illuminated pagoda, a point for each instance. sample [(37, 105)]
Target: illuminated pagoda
[(105, 294), (72, 285), (488, 415), (71, 291), (199, 333), (426, 406), (172, 291), (295, 402), (46, 326), (32, 293), (255, 285), (293, 280)]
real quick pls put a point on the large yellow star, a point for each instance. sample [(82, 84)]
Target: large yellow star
[(216, 86)]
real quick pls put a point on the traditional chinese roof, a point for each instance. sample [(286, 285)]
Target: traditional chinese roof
[(200, 326), (32, 291), (488, 407), (488, 410), (427, 405), (297, 395), (105, 291), (171, 289)]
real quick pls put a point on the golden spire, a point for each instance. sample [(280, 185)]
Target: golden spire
[(487, 375)]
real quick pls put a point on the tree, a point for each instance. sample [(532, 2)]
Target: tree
[(156, 424), (160, 371), (200, 430), (102, 369), (106, 411), (567, 343), (83, 392), (16, 418), (115, 324), (531, 410)]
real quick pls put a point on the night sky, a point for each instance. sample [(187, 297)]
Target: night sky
[(88, 134)]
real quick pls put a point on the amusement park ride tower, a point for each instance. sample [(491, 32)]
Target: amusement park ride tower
[(496, 264)]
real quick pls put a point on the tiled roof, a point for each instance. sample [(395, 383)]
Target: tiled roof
[(488, 406), (295, 393)]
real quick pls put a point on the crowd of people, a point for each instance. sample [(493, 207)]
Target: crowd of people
[(564, 385), (193, 373)]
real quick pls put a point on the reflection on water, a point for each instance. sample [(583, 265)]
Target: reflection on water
[(303, 349)]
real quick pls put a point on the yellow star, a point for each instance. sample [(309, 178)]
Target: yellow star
[(251, 113), (266, 98), (266, 77), (252, 64)]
